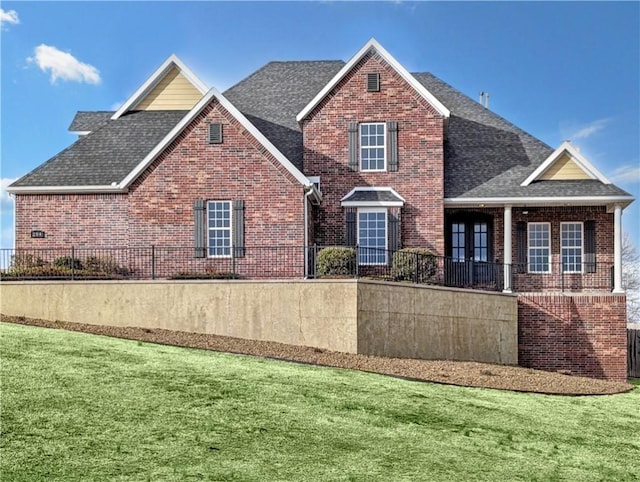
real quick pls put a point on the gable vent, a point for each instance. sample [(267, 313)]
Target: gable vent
[(215, 133), (373, 82)]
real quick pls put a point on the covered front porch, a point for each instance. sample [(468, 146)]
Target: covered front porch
[(535, 247)]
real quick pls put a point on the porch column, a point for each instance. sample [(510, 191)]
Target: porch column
[(507, 249), (617, 249)]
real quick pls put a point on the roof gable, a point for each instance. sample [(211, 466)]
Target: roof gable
[(171, 87), (171, 136), (373, 45), (565, 163)]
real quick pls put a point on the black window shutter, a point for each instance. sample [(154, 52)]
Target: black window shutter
[(215, 133), (392, 146), (199, 233), (351, 228), (590, 246), (238, 228), (393, 224), (521, 246), (353, 146)]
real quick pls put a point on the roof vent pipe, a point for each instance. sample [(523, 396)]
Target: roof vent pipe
[(483, 99)]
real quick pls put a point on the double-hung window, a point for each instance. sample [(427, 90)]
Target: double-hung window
[(372, 147), (219, 228), (571, 247), (539, 248), (372, 236)]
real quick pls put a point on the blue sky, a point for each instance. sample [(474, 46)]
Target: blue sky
[(557, 70)]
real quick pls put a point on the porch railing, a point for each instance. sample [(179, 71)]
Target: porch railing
[(291, 262)]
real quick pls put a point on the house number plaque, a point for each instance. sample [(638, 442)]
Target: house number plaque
[(37, 234)]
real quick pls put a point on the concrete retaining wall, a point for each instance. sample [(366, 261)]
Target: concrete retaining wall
[(354, 316)]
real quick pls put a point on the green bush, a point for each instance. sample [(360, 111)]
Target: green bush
[(37, 272), (405, 262), (336, 261), (68, 262)]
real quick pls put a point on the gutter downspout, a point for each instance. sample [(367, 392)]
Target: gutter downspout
[(305, 199)]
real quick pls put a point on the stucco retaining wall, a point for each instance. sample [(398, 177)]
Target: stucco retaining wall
[(354, 316)]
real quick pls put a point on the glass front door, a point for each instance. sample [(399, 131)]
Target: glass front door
[(469, 251)]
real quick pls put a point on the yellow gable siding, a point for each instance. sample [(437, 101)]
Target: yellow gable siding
[(565, 168), (173, 92)]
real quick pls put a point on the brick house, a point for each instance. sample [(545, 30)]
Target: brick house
[(358, 153)]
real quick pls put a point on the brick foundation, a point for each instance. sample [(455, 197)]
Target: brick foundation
[(584, 334)]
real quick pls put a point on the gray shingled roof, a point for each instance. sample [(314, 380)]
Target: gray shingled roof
[(272, 96), (106, 155), (87, 121), (485, 155), (372, 195)]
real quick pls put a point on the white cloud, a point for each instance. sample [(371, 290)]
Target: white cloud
[(585, 131), (627, 174), (63, 65), (10, 16)]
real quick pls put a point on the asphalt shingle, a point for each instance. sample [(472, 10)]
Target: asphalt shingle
[(106, 155)]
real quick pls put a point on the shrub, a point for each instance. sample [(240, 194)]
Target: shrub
[(26, 261), (336, 261), (68, 262), (407, 260), (37, 272), (104, 265)]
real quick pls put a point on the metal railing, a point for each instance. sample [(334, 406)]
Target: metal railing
[(294, 262)]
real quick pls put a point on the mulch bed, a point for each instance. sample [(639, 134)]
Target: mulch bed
[(469, 374)]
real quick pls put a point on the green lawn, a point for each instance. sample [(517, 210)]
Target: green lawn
[(84, 407)]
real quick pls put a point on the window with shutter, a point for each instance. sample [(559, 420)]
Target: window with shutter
[(521, 246), (353, 146)]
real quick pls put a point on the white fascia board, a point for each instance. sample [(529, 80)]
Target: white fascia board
[(367, 204), (157, 76), (81, 133), (213, 93), (538, 201), (64, 189), (578, 158), (373, 44)]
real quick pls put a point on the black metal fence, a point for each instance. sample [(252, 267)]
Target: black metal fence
[(291, 262)]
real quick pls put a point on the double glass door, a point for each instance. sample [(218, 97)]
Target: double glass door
[(469, 252)]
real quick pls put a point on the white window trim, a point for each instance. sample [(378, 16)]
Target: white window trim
[(581, 248), (529, 249), (384, 146), (209, 229), (386, 233)]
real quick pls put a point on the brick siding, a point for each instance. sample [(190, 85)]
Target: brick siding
[(419, 179), (158, 209), (583, 334)]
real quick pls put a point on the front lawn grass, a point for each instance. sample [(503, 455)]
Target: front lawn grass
[(85, 407)]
